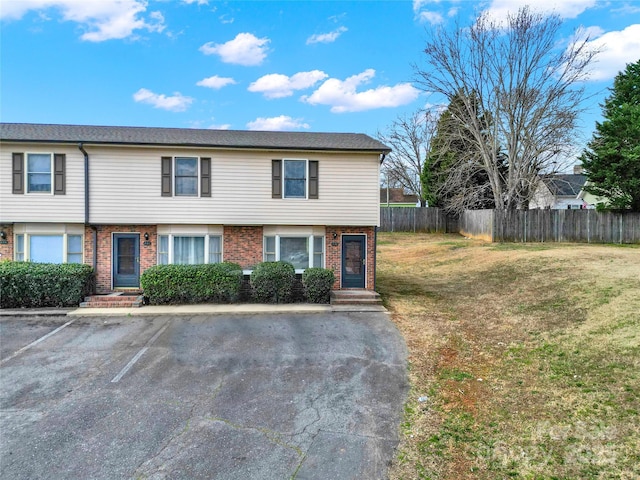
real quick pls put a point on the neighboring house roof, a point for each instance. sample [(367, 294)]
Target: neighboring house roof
[(29, 132), (397, 195), (565, 185)]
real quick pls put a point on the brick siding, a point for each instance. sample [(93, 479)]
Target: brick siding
[(6, 249), (243, 245), (334, 252), (148, 256)]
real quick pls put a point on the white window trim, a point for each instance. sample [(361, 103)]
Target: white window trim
[(26, 173), (198, 179), (310, 246), (306, 178), (206, 236), (65, 244)]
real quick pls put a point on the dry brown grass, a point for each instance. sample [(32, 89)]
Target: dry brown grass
[(524, 358)]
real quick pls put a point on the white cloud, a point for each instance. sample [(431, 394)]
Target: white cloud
[(326, 37), (102, 20), (175, 103), (343, 97), (216, 82), (617, 49), (246, 49), (224, 126), (277, 85), (281, 123), (430, 16), (433, 18), (499, 9)]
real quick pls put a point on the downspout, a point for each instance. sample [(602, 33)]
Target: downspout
[(375, 258), (86, 183), (375, 235), (86, 206)]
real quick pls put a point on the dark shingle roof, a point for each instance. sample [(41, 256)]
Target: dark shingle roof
[(397, 195), (565, 185), (32, 132)]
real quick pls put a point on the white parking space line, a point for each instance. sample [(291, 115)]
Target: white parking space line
[(36, 342), (132, 362)]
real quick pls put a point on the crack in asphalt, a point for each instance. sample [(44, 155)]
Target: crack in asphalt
[(274, 437), (168, 443)]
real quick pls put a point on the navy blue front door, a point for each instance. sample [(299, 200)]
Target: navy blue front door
[(126, 260), (353, 261)]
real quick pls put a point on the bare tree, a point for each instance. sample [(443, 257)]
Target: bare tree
[(409, 138), (514, 74)]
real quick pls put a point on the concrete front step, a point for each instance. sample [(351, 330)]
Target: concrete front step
[(112, 301), (355, 297)]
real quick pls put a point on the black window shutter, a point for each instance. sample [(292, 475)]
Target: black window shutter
[(313, 179), (18, 172), (166, 176), (276, 178), (205, 177), (59, 169)]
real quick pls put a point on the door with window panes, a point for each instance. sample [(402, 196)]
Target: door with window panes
[(353, 261), (126, 260)]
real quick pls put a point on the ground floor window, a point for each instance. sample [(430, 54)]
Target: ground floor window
[(43, 248), (189, 249), (302, 251)]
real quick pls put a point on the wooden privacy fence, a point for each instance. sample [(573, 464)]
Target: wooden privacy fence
[(405, 219), (588, 226)]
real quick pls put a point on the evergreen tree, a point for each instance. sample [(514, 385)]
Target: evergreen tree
[(454, 174), (612, 157)]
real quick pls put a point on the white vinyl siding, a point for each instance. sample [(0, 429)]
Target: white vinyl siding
[(42, 207), (125, 189), (125, 184)]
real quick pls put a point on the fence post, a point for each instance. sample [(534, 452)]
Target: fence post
[(621, 228)]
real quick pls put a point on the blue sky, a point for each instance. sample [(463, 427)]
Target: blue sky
[(269, 65)]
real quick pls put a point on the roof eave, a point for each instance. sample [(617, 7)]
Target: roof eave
[(202, 145)]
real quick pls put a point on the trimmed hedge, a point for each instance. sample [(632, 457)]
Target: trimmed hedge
[(317, 284), (32, 285), (176, 284), (272, 282)]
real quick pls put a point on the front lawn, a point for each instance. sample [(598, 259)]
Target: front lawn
[(524, 358)]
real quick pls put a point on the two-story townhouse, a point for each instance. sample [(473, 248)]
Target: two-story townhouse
[(125, 198)]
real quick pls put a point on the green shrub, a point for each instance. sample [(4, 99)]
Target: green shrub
[(176, 284), (317, 284), (272, 282), (32, 285)]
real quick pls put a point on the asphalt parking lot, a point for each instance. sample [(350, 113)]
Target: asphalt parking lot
[(271, 396)]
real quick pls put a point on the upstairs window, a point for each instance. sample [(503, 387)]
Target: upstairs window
[(186, 176), (39, 172), (293, 178)]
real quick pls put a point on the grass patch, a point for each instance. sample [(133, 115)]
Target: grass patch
[(524, 360)]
